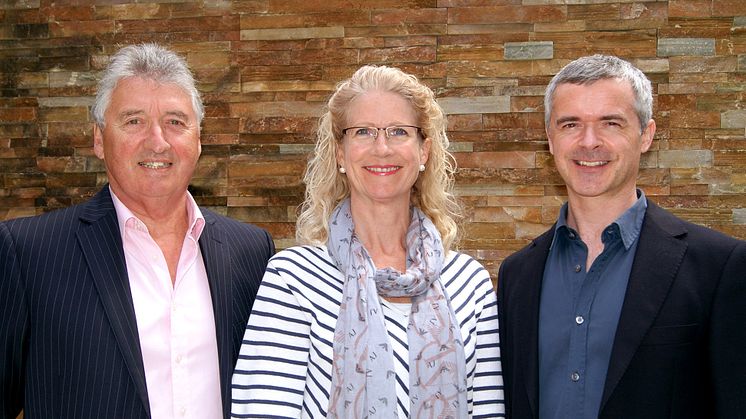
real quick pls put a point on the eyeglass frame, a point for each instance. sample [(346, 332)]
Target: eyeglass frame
[(418, 130)]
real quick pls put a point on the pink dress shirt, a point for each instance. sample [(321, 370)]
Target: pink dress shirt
[(175, 322)]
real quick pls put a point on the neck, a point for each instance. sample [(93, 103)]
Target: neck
[(382, 229), (590, 216)]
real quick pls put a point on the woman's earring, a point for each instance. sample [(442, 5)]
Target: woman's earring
[(422, 168), (343, 171)]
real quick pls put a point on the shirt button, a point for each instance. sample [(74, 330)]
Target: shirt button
[(178, 359), (579, 319), (182, 411), (578, 268), (575, 376), (572, 235)]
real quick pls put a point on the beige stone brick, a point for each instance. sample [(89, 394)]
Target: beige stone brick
[(685, 158), (292, 33), (475, 105)]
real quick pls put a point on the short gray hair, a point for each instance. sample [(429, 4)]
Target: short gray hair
[(589, 69), (149, 61)]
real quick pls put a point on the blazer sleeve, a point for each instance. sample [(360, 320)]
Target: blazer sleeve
[(13, 328), (728, 337)]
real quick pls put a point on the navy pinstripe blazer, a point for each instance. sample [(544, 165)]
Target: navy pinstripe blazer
[(69, 345)]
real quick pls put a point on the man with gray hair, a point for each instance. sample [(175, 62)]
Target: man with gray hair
[(620, 310), (134, 303)]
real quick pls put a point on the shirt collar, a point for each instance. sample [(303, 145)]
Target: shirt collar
[(127, 219), (629, 223)]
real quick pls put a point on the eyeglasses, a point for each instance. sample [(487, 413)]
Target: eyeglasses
[(396, 134)]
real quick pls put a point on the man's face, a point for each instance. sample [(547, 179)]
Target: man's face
[(150, 145), (594, 135)]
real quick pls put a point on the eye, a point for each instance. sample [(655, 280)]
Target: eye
[(176, 122), (569, 125), (363, 132), (398, 132), (133, 121)]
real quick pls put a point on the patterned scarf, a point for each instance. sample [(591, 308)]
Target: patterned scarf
[(363, 377)]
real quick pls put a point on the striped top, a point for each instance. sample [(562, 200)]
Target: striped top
[(285, 363)]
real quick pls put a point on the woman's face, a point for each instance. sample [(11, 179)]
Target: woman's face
[(382, 169)]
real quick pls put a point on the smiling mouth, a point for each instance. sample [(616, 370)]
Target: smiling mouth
[(591, 163), (383, 169), (155, 164)]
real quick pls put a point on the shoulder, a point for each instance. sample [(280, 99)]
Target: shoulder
[(461, 271), (308, 271), (304, 260), (45, 226), (659, 222)]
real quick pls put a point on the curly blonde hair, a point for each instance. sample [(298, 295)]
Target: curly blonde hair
[(326, 187)]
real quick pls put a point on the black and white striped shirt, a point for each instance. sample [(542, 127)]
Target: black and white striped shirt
[(285, 363)]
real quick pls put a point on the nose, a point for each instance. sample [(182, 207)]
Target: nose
[(381, 142), (590, 137), (156, 139)]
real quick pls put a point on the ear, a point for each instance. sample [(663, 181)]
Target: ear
[(647, 136), (98, 141), (549, 141), (425, 150)]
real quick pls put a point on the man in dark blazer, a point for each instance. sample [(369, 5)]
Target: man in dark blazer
[(80, 336), (620, 310)]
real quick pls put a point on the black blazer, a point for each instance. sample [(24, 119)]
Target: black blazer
[(680, 346), (69, 345)]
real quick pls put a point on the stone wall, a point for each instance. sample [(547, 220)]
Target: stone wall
[(266, 67)]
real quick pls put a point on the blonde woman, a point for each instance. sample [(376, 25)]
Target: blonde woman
[(373, 316)]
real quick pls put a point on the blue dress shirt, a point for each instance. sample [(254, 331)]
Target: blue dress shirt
[(578, 314)]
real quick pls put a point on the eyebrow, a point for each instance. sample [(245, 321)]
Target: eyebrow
[(610, 117), (131, 112)]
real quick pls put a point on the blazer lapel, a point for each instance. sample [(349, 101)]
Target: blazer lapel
[(528, 289), (659, 247), (101, 244), (216, 257)]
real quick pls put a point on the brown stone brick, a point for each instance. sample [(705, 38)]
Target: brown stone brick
[(397, 30), (689, 8), (205, 24), (59, 29), (17, 114), (63, 114), (496, 159), (509, 13), (736, 158), (56, 12), (315, 6), (408, 41), (397, 16), (219, 125), (570, 45), (727, 8), (333, 17), (695, 119), (696, 28), (512, 121), (464, 122), (527, 104), (504, 230), (468, 52), (219, 139), (594, 12)]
